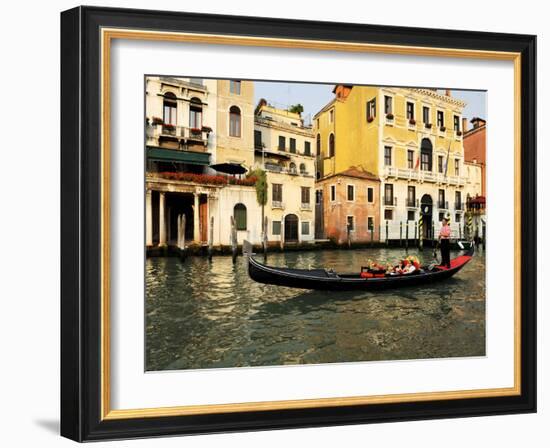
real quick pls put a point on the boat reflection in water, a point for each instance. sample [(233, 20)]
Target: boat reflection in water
[(202, 314)]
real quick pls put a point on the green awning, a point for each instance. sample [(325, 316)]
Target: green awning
[(175, 155)]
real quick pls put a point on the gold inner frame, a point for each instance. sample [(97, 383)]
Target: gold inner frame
[(107, 35)]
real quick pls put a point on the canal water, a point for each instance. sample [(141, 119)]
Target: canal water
[(202, 314)]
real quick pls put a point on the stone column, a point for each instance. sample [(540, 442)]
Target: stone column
[(148, 218), (162, 220), (196, 228)]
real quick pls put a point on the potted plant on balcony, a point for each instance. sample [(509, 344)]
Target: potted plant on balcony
[(206, 129), (428, 125), (168, 127), (412, 121), (459, 133), (156, 120), (389, 116), (196, 131), (370, 119), (442, 128)]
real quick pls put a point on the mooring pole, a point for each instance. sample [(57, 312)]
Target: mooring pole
[(233, 240), (264, 239), (420, 234), (282, 242), (372, 236), (400, 233), (407, 235), (387, 236), (211, 238)]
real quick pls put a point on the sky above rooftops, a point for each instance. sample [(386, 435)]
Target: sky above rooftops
[(315, 96)]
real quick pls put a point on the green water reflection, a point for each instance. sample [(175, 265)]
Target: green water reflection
[(202, 314)]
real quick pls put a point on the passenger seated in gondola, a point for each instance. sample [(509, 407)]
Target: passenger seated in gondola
[(373, 270), (407, 266)]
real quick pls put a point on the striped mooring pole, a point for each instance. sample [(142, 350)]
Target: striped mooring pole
[(469, 226), (420, 234)]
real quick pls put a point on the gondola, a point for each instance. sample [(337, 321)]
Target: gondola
[(328, 280)]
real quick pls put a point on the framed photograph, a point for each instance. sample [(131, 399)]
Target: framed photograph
[(276, 224)]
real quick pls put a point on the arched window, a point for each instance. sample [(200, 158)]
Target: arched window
[(426, 149), (318, 144), (331, 145), (292, 167), (234, 121), (195, 114), (169, 108), (239, 214), (302, 168)]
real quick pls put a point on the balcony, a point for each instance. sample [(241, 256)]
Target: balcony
[(411, 203), (443, 205), (276, 168), (305, 206), (277, 204), (184, 133), (459, 206), (389, 201), (423, 176)]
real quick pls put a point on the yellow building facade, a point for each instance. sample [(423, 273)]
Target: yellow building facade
[(235, 122), (284, 150), (411, 139)]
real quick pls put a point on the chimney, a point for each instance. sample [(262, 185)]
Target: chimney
[(477, 122), (448, 92), (464, 124)]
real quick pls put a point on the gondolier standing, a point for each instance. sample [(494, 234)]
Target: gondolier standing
[(444, 243)]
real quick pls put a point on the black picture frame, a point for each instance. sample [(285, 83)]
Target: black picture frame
[(81, 210)]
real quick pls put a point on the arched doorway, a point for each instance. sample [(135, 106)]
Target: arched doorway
[(426, 154), (426, 209), (291, 228)]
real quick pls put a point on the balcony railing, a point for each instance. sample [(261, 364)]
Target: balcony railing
[(443, 205), (180, 132), (277, 204), (390, 201), (459, 205), (411, 202), (275, 168), (305, 206), (423, 176)]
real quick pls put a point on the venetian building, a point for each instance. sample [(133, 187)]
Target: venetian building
[(283, 149), (475, 155), (191, 125), (410, 140)]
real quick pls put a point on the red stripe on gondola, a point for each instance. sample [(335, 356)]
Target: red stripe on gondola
[(456, 262)]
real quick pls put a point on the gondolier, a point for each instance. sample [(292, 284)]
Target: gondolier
[(444, 243)]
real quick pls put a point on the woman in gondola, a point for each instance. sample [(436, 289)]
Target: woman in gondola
[(444, 243)]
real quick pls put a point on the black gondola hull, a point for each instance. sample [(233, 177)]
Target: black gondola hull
[(320, 279)]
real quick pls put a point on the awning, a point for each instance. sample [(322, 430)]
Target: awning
[(178, 156), (478, 200)]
